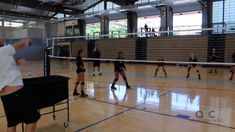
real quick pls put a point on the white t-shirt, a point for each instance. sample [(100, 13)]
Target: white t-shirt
[(9, 71)]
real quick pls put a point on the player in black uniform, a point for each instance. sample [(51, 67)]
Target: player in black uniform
[(213, 59), (233, 67), (80, 75), (193, 58), (119, 68), (160, 64), (96, 63)]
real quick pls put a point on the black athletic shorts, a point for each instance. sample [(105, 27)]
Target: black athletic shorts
[(96, 63), (79, 70), (118, 69), (160, 64), (19, 107), (192, 65)]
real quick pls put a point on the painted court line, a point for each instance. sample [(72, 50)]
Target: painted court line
[(110, 117), (158, 113)]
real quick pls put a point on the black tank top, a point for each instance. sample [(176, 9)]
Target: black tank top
[(213, 56), (193, 60), (96, 54), (119, 64), (79, 62), (161, 63)]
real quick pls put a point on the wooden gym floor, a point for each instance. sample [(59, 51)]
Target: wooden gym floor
[(152, 105)]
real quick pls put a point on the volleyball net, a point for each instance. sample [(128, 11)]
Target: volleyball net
[(175, 50)]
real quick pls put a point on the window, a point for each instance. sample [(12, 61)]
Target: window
[(12, 24), (97, 8), (153, 22), (118, 28), (111, 5), (59, 15), (229, 14), (217, 12), (223, 15), (145, 1), (69, 31), (76, 30), (0, 23), (187, 21), (93, 30)]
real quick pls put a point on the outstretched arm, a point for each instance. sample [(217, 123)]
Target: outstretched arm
[(21, 44)]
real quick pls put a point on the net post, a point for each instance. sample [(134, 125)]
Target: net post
[(47, 67), (53, 46)]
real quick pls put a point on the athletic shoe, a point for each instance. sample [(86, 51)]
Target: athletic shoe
[(113, 88), (75, 93), (83, 95), (230, 78), (128, 87)]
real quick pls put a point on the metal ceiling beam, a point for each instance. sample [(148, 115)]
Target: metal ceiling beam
[(25, 15), (123, 2), (59, 8)]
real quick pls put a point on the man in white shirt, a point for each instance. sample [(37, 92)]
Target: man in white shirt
[(18, 104)]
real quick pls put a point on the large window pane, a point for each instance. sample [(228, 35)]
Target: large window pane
[(118, 28), (218, 12), (111, 5), (12, 24), (229, 14), (93, 30), (143, 1), (224, 15), (97, 8), (187, 21), (153, 22)]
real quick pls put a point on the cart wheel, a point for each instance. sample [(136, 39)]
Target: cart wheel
[(66, 124)]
